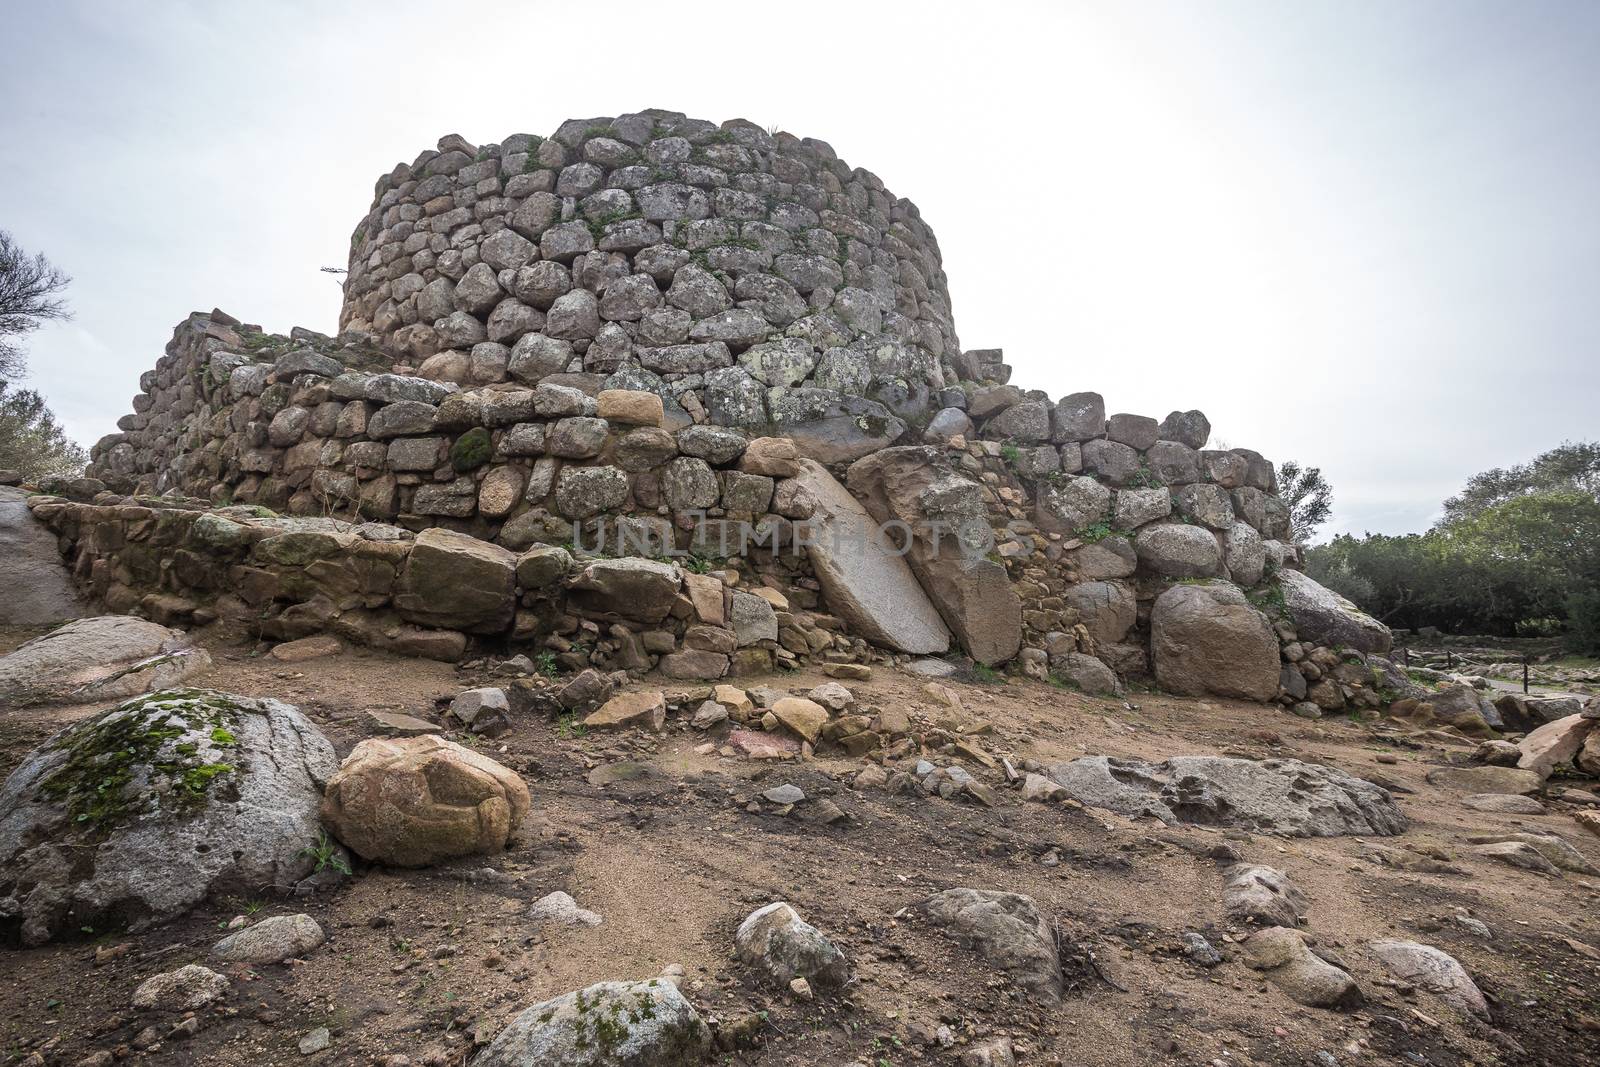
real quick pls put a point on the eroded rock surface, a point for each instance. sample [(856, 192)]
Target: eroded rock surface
[(100, 658), (1007, 929), (1282, 796), (415, 801)]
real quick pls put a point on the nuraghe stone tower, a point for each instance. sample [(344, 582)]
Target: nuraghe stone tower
[(618, 392)]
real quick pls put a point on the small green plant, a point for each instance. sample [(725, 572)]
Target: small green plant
[(986, 674), (1144, 478), (545, 664), (1011, 454), (325, 854), (569, 727), (697, 565), (599, 131)]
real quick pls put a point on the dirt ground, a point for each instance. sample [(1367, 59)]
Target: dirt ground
[(425, 963)]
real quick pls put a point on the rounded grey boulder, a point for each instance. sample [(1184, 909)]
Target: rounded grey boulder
[(92, 821)]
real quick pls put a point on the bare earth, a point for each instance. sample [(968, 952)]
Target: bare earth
[(419, 962)]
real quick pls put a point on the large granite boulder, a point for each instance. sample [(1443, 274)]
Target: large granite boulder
[(916, 491), (1324, 617), (1275, 796), (608, 1024), (96, 659), (457, 582), (138, 814), (871, 588), (1209, 639), (415, 801)]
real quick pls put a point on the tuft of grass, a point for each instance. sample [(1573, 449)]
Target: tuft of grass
[(325, 853)]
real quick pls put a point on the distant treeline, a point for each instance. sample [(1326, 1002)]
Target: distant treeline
[(1517, 553)]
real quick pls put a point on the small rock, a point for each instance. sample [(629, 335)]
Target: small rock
[(1436, 971), (832, 696), (560, 908), (315, 1042), (800, 988), (1283, 955), (1038, 787), (271, 940), (484, 711), (708, 715), (188, 988), (317, 646), (646, 710), (784, 794), (1516, 854), (1262, 895), (1200, 951), (1503, 803), (785, 947)]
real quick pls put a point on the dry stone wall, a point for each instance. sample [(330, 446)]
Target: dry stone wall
[(752, 278), (659, 328)]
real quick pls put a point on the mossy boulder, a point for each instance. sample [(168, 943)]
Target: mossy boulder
[(608, 1024), (134, 816)]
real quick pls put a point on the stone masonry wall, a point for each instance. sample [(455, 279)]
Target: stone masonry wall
[(619, 325), (752, 277)]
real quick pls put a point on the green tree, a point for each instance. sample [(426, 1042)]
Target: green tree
[(1307, 495), (30, 295), (31, 442), (1568, 466)]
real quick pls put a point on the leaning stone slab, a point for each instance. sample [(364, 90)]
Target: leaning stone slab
[(1322, 616), (1281, 796), (868, 586), (1554, 744), (102, 658), (92, 821)]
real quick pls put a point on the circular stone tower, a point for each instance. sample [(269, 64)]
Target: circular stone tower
[(752, 279)]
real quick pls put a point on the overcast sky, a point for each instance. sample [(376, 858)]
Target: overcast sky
[(1363, 235)]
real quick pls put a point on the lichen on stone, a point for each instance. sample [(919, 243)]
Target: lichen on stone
[(165, 751)]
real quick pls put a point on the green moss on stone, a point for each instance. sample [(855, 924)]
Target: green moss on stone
[(129, 761), (471, 450)]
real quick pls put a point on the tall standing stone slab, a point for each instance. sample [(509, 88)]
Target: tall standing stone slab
[(869, 587), (915, 490)]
